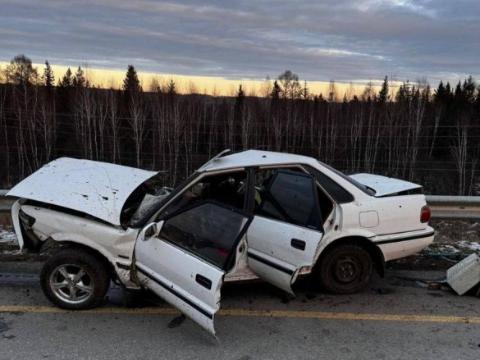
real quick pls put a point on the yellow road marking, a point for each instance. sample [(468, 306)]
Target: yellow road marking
[(320, 315)]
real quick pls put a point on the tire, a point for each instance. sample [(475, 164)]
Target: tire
[(345, 269), (75, 279)]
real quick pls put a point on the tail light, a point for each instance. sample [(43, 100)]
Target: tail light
[(425, 214)]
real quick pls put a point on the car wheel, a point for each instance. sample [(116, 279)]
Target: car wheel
[(75, 279), (345, 269)]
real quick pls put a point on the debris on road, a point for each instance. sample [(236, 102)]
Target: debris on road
[(7, 237), (176, 322), (465, 275)]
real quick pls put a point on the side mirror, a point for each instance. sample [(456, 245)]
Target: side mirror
[(151, 230)]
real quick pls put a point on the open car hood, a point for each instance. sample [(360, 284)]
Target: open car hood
[(383, 185), (95, 188)]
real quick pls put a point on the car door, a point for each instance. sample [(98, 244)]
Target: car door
[(286, 230), (184, 258)]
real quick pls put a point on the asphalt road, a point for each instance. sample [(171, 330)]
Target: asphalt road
[(394, 319)]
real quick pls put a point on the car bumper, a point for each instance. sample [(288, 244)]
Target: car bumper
[(396, 246)]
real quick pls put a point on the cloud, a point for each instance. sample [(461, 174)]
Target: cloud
[(333, 39)]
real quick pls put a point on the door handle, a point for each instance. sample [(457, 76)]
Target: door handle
[(298, 244), (202, 280)]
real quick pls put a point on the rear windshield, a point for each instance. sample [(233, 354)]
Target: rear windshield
[(367, 190)]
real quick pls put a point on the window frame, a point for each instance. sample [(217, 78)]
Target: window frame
[(303, 173), (302, 167), (231, 256), (194, 180)]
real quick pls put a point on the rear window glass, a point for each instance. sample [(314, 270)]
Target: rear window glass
[(355, 183), (338, 193)]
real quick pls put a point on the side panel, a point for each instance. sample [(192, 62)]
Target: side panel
[(177, 277), (278, 250), (395, 214), (112, 242), (397, 246)]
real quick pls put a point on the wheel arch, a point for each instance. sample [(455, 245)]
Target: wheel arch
[(97, 252), (374, 251)]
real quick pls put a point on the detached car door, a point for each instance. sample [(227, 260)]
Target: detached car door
[(286, 230), (184, 259)]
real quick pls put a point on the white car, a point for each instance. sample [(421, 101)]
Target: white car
[(252, 214)]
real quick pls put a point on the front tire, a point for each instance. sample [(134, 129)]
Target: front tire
[(345, 269), (75, 279)]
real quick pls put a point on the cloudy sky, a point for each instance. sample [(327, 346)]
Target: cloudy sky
[(345, 40)]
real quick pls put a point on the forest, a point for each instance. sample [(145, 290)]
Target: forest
[(429, 136)]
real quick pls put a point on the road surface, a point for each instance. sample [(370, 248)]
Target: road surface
[(396, 318)]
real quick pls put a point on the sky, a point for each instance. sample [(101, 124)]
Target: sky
[(218, 44)]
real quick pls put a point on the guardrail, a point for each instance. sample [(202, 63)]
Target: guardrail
[(454, 207), (5, 203), (443, 207)]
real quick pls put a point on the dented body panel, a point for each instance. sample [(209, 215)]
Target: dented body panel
[(91, 187), (113, 242)]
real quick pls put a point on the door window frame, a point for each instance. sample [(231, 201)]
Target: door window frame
[(303, 172), (231, 256), (157, 216)]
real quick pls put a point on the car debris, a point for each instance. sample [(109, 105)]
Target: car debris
[(465, 275), (247, 215)]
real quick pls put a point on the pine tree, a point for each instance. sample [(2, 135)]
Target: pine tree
[(79, 79), (240, 93), (468, 88), (171, 87), (131, 84), (239, 105), (383, 94), (48, 77), (66, 80), (276, 90), (439, 94), (305, 92)]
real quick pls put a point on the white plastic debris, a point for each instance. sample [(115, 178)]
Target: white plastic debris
[(464, 275), (7, 237)]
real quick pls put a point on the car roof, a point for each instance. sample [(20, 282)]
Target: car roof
[(255, 158)]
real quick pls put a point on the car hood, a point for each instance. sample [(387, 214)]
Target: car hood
[(383, 185), (95, 188)]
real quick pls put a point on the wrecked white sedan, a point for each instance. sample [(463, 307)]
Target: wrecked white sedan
[(253, 214)]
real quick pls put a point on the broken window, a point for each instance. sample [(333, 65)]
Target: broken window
[(226, 188), (288, 196), (208, 230)]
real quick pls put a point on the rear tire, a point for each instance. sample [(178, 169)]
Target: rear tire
[(345, 269), (75, 279)]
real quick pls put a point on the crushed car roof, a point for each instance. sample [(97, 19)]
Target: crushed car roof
[(96, 188), (255, 157)]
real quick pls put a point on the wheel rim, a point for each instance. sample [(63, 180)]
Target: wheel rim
[(347, 269), (72, 283)]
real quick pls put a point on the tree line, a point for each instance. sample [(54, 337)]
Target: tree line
[(418, 134)]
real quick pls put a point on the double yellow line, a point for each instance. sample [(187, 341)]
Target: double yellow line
[(293, 314)]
